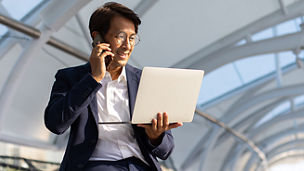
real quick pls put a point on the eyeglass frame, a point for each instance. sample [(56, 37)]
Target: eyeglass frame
[(124, 38)]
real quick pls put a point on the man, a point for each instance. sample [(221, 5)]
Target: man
[(104, 90)]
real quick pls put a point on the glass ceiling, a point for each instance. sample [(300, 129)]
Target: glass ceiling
[(233, 76), (236, 74), (223, 80)]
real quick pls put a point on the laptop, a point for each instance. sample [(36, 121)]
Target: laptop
[(170, 90)]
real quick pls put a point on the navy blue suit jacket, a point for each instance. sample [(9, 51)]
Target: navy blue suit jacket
[(73, 105)]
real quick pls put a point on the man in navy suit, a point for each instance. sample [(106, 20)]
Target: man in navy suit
[(104, 90)]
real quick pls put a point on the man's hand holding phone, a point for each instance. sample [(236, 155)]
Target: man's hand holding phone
[(98, 60)]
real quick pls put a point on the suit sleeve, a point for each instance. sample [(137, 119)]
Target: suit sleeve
[(164, 149), (68, 100)]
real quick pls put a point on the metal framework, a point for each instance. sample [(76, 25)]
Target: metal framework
[(199, 58), (40, 37), (270, 140), (272, 94), (17, 163), (238, 135), (50, 22), (36, 34), (288, 42), (211, 57), (247, 123), (239, 149)]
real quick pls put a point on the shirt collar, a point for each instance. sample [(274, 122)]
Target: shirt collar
[(122, 78)]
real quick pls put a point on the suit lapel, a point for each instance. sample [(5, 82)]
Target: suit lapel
[(93, 104), (132, 82), (94, 109)]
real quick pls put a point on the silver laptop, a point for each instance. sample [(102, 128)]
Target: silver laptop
[(170, 90)]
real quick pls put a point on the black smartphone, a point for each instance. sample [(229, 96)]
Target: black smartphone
[(98, 39)]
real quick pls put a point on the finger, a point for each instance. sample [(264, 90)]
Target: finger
[(166, 120), (101, 47), (103, 44), (159, 121), (100, 50), (175, 125), (107, 53), (154, 125), (146, 126)]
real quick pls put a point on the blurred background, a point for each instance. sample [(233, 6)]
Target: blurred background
[(249, 115)]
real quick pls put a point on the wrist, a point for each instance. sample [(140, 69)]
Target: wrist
[(97, 78), (155, 140)]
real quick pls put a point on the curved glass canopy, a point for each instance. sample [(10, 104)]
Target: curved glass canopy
[(251, 52)]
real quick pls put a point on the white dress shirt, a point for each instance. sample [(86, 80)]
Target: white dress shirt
[(115, 141)]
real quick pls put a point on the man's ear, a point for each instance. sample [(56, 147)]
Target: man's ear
[(94, 34)]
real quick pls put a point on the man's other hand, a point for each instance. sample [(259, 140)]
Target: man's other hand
[(159, 126)]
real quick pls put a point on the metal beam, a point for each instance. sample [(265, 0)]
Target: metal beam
[(283, 7), (211, 140), (285, 147), (295, 153), (249, 95), (58, 12), (276, 120), (238, 151), (84, 30), (257, 99), (275, 138), (236, 134), (290, 90), (227, 55), (253, 159), (32, 18), (16, 25), (143, 6), (248, 122), (36, 34), (68, 49), (295, 10), (195, 152), (250, 89), (253, 117), (278, 70), (229, 159)]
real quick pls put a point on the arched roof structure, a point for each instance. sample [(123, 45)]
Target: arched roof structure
[(249, 114)]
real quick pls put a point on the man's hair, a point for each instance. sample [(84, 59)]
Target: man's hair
[(101, 18)]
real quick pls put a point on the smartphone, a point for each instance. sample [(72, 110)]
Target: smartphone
[(98, 39)]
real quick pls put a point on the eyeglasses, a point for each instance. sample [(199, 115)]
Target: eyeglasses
[(122, 37)]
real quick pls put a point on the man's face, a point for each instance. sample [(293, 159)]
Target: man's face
[(120, 27)]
